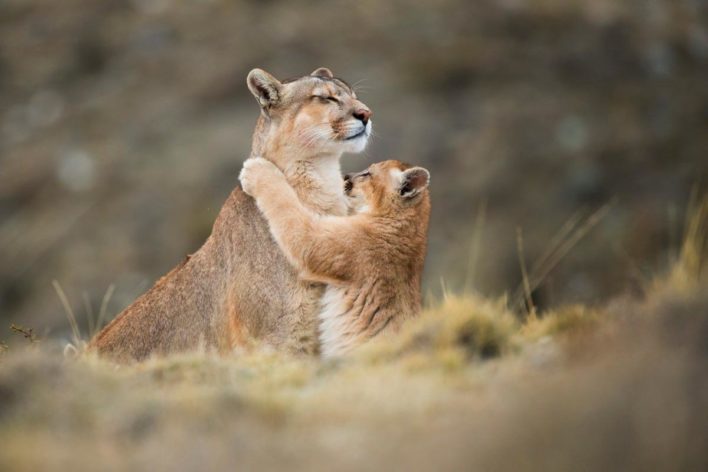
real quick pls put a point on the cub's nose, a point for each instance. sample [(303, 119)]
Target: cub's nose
[(362, 114), (348, 184)]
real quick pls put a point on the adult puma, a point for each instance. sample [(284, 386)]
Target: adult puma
[(239, 286)]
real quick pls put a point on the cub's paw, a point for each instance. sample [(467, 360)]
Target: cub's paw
[(256, 172)]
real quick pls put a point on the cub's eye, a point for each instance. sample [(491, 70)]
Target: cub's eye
[(365, 174)]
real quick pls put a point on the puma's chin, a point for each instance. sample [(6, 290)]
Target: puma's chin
[(358, 140)]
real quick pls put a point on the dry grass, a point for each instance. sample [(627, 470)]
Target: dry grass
[(461, 391), (468, 386)]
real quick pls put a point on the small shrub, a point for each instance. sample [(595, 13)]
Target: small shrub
[(27, 333)]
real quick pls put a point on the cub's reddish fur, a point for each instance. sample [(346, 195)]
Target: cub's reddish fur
[(371, 261)]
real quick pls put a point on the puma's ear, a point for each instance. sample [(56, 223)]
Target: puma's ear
[(323, 72), (413, 181), (264, 87)]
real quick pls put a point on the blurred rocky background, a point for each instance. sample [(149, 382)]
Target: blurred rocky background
[(123, 126)]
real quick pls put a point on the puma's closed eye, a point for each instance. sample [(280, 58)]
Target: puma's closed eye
[(328, 98)]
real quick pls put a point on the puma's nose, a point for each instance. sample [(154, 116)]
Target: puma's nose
[(362, 114)]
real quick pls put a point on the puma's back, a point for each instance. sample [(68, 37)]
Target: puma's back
[(238, 286)]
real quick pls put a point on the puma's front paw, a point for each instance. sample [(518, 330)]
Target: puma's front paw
[(256, 173)]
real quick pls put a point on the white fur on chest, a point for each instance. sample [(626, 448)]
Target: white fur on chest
[(333, 322), (329, 172)]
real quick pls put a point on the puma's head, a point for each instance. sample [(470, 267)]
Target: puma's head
[(312, 116), (386, 187)]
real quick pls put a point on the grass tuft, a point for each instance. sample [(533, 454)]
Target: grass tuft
[(689, 272), (567, 321), (468, 325)]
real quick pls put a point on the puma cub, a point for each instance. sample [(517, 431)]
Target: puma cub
[(371, 261)]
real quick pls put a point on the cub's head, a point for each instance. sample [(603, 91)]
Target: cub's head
[(386, 187), (314, 115)]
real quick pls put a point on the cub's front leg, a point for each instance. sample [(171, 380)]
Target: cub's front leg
[(308, 240), (289, 221)]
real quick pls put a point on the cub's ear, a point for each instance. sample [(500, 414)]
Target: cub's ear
[(323, 72), (413, 181), (264, 87)]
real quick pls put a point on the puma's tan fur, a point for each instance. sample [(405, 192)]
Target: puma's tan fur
[(239, 286), (371, 261)]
